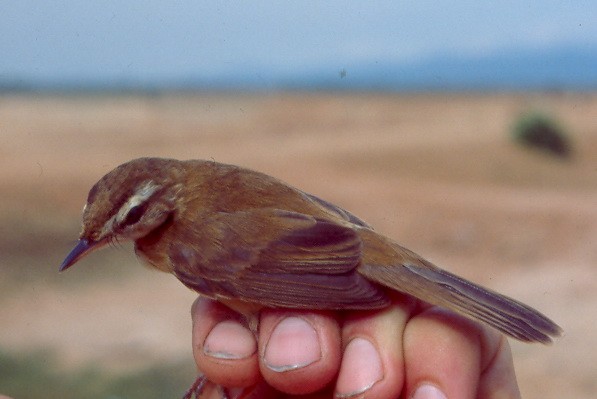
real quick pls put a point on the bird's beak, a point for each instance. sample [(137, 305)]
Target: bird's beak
[(82, 248)]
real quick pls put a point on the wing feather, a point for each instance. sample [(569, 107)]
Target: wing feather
[(278, 259)]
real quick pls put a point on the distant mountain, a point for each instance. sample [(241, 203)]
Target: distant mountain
[(560, 68)]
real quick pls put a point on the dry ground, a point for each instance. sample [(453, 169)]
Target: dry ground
[(436, 172)]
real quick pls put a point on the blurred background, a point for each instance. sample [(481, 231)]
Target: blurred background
[(466, 131)]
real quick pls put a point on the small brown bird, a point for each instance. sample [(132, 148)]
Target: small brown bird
[(251, 241)]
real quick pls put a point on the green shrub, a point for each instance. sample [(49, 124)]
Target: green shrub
[(539, 131)]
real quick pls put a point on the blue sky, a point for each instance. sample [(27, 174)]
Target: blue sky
[(151, 40)]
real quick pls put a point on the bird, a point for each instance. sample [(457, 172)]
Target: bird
[(252, 241)]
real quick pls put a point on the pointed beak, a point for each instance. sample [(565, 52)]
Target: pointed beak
[(82, 248)]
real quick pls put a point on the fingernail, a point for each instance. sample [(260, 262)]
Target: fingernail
[(428, 391), (229, 340), (361, 368), (294, 344)]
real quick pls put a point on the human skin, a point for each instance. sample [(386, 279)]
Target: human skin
[(409, 350)]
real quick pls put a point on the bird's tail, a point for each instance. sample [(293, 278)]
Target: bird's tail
[(418, 277)]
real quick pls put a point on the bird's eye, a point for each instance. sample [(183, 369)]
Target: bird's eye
[(134, 215)]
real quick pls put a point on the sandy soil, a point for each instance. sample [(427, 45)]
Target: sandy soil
[(436, 172)]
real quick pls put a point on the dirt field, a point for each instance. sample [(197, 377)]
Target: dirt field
[(436, 172)]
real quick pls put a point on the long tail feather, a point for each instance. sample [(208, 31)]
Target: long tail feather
[(439, 287)]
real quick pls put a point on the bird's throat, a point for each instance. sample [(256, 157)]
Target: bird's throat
[(152, 248)]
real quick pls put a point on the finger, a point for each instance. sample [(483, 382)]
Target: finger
[(225, 350), (299, 351), (498, 379), (258, 391), (445, 356), (442, 355), (210, 391), (372, 363)]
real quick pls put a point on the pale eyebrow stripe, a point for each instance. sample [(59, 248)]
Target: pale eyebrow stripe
[(142, 195)]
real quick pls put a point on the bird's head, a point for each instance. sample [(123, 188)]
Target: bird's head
[(128, 203)]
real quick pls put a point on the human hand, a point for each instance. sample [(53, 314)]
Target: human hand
[(409, 350)]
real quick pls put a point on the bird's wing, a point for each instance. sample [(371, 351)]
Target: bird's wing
[(336, 211), (276, 258)]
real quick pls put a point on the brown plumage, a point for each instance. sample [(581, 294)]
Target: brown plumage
[(252, 241)]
